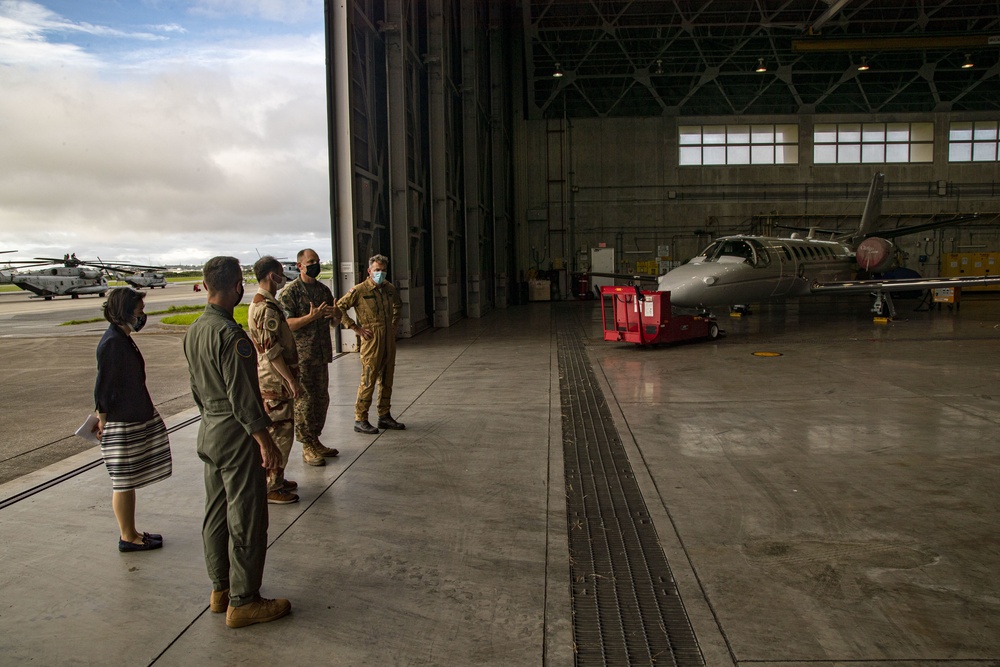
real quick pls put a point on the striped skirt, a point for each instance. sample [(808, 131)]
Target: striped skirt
[(136, 454)]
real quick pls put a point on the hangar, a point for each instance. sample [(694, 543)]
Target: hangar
[(477, 142)]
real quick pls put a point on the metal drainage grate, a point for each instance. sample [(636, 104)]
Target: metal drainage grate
[(626, 609)]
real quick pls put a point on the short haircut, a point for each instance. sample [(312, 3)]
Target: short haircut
[(298, 256), (121, 304), (378, 259), (266, 265), (221, 273)]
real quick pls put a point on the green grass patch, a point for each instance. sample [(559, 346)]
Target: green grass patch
[(185, 319), (169, 311)]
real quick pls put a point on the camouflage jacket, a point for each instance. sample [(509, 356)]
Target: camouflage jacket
[(271, 336), (313, 340)]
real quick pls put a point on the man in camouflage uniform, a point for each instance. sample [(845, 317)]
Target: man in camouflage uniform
[(378, 308), (277, 366), (310, 311), (236, 448)]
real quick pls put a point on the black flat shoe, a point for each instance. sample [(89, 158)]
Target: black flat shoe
[(153, 536), (147, 545)]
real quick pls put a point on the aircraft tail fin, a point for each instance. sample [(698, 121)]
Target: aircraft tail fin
[(873, 209)]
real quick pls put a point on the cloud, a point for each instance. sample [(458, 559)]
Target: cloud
[(283, 11), (213, 148)]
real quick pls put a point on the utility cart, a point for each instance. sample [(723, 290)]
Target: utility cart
[(645, 317)]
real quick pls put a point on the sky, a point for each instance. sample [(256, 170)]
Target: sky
[(163, 131)]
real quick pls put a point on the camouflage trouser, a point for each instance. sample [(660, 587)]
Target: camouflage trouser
[(312, 403), (378, 363), (283, 436)]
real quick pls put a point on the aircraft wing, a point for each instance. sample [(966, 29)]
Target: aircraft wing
[(901, 284), (634, 277)]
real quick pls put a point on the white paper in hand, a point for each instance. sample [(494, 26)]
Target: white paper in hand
[(86, 430)]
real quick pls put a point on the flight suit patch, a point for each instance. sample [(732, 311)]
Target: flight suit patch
[(244, 348), (271, 323)]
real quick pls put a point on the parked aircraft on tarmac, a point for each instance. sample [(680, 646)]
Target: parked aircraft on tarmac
[(146, 278), (68, 276), (738, 270)]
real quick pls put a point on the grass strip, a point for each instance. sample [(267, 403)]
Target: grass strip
[(169, 311)]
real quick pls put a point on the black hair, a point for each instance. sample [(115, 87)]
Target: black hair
[(221, 273), (121, 303), (266, 265)]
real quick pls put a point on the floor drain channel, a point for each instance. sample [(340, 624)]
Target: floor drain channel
[(626, 610)]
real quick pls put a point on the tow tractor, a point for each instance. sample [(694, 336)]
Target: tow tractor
[(645, 317)]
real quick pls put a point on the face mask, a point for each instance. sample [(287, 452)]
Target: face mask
[(278, 283), (240, 293), (378, 277), (139, 323), (312, 270)]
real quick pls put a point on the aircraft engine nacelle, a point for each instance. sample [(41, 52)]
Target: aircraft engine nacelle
[(875, 255)]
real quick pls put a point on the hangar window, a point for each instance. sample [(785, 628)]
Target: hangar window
[(973, 141), (872, 143), (738, 144)]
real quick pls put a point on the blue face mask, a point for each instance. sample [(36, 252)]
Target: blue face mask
[(378, 277)]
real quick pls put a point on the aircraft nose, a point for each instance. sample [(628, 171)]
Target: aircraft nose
[(685, 285)]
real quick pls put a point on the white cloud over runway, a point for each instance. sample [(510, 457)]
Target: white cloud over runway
[(165, 141)]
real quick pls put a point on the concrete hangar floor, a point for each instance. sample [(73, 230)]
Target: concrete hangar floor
[(558, 499)]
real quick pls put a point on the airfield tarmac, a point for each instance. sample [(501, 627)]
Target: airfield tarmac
[(49, 372), (835, 505)]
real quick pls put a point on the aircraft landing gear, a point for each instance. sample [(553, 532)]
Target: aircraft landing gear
[(74, 296), (883, 306)]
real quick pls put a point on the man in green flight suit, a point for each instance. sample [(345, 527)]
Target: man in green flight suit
[(377, 306), (236, 448)]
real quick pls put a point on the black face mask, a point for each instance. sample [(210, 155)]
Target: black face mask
[(239, 300), (312, 270), (139, 323)]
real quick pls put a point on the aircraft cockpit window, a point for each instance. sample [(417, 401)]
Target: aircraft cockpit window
[(709, 252), (748, 250), (760, 255)]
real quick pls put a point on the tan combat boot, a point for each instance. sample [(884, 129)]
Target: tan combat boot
[(311, 456), (219, 601), (260, 610)]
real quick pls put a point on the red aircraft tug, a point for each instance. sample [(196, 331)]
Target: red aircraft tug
[(645, 317)]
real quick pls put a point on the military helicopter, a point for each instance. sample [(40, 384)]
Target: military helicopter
[(150, 278), (69, 276)]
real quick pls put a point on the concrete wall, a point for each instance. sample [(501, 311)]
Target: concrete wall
[(616, 181)]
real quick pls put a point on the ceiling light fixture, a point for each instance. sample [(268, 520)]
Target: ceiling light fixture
[(761, 67), (659, 66), (558, 73), (863, 67), (968, 64)]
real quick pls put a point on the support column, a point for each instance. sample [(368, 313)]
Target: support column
[(394, 31), (473, 162), (437, 128), (341, 169)]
